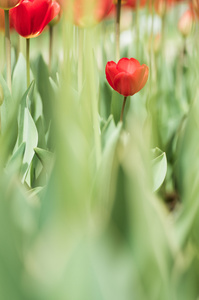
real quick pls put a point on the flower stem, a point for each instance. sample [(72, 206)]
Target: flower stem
[(80, 57), (8, 49), (137, 28), (50, 47), (117, 29), (28, 61), (122, 112)]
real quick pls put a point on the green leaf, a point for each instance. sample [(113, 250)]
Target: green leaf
[(46, 158), (15, 162), (105, 99), (44, 88), (116, 105), (25, 101), (19, 84), (30, 137), (107, 169), (7, 107), (159, 168)]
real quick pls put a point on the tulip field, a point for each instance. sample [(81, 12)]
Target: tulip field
[(99, 150)]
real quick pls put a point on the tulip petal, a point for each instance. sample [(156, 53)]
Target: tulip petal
[(53, 10), (125, 84), (21, 24), (111, 71), (38, 14), (128, 65), (145, 77), (129, 84)]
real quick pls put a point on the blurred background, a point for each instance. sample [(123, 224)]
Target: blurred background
[(91, 207)]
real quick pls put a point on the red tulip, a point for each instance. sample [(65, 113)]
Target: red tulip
[(31, 16), (127, 77), (8, 4)]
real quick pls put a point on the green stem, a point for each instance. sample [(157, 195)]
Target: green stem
[(80, 57), (8, 49), (50, 47), (137, 28), (163, 33), (117, 29), (90, 68), (28, 61), (123, 106), (151, 51)]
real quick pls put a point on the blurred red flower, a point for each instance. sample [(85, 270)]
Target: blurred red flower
[(31, 16), (8, 4), (133, 3), (87, 12), (127, 77), (162, 6), (185, 23)]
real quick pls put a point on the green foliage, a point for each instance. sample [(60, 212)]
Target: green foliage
[(90, 207)]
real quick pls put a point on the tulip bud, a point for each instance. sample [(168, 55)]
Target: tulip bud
[(185, 23), (8, 4), (1, 95)]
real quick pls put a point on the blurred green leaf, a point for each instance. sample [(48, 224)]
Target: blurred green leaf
[(46, 158), (15, 161), (44, 88), (25, 103), (19, 83), (30, 137), (159, 168), (7, 108)]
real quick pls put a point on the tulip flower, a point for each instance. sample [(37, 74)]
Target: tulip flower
[(185, 23), (127, 77), (31, 16)]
